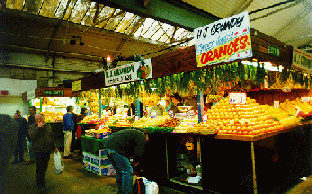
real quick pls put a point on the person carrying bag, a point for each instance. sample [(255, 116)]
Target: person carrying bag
[(42, 138)]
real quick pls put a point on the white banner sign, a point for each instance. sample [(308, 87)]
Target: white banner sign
[(128, 73), (225, 40), (302, 60), (31, 94)]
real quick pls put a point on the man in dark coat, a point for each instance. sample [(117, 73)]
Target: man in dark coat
[(8, 140), (42, 138), (31, 120), (22, 134)]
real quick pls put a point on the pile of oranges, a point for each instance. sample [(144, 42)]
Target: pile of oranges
[(241, 119)]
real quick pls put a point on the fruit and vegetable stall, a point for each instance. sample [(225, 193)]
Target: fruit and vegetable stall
[(252, 144)]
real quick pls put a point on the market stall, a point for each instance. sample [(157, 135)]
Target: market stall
[(248, 134), (52, 102)]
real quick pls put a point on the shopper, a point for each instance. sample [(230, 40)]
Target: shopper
[(80, 131), (68, 127), (21, 140), (121, 146), (8, 141), (31, 120), (73, 143), (42, 138)]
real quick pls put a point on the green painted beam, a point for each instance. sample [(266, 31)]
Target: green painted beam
[(173, 12)]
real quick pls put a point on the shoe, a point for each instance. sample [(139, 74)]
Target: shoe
[(30, 162), (14, 162)]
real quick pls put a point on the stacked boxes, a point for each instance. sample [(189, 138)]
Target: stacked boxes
[(98, 163)]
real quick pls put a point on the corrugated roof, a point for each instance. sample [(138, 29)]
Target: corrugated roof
[(89, 13)]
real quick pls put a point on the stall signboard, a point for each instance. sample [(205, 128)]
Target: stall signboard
[(302, 60), (53, 92), (76, 85), (31, 94), (128, 73), (225, 40), (237, 98)]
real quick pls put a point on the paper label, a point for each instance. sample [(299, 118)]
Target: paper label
[(237, 98)]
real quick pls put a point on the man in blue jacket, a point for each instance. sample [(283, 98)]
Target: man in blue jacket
[(68, 126), (120, 148)]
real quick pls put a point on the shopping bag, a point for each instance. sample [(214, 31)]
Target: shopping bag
[(151, 187), (58, 163)]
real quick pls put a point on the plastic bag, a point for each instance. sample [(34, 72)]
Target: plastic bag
[(151, 187), (58, 163)]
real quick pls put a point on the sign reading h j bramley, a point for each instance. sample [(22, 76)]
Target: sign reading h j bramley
[(224, 40)]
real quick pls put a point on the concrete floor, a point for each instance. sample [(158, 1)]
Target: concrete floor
[(21, 179)]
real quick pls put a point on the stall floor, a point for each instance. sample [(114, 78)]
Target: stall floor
[(21, 179)]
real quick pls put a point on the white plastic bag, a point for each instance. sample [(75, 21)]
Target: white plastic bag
[(58, 163), (151, 187)]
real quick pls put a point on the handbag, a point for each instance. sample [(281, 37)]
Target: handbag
[(58, 163)]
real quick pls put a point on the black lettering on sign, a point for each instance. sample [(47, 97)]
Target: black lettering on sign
[(227, 25)]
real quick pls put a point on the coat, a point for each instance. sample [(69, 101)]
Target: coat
[(42, 138)]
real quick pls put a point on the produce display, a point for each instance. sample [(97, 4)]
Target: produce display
[(172, 122), (122, 123), (150, 122), (289, 106), (241, 119), (52, 116), (282, 116), (92, 119)]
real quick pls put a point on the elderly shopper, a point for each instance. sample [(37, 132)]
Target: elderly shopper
[(42, 138)]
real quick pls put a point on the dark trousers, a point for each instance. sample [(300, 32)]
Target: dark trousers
[(42, 160), (19, 151)]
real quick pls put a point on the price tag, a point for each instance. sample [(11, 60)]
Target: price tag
[(136, 118), (124, 116), (153, 115), (306, 99), (286, 89), (276, 104), (204, 118), (237, 98)]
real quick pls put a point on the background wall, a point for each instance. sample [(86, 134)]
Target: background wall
[(9, 104)]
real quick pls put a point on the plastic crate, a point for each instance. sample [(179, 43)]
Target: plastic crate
[(102, 153), (86, 156)]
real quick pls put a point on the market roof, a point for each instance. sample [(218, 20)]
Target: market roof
[(106, 30)]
